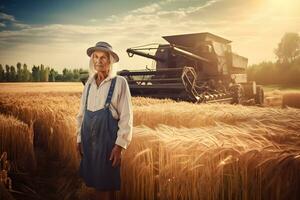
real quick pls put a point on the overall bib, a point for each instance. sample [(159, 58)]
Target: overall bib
[(98, 135)]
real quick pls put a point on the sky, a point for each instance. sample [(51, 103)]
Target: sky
[(57, 33)]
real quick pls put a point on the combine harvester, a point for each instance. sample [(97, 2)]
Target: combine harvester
[(198, 68)]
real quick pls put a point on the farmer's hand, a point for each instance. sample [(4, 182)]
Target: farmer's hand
[(79, 149), (115, 155)]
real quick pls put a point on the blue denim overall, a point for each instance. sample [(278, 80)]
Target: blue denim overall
[(98, 136)]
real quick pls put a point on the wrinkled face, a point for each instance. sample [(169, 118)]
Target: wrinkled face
[(101, 61)]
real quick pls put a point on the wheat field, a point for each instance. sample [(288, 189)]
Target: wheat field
[(179, 150)]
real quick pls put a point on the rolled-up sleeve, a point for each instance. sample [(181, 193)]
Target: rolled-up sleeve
[(124, 108), (79, 116)]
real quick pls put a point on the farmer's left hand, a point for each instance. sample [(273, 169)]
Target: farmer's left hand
[(115, 155)]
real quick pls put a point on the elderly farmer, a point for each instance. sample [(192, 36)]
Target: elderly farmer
[(104, 123)]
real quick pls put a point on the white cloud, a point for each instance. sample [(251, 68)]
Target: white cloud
[(147, 9), (207, 4), (10, 21), (7, 17), (93, 20), (21, 25)]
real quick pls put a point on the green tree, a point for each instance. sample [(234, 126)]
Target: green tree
[(35, 73), (13, 73), (52, 75), (289, 48), (59, 77), (26, 76), (42, 72), (19, 72), (2, 74), (67, 75), (46, 74), (7, 73), (76, 75)]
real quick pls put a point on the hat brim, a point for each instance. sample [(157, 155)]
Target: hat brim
[(90, 50)]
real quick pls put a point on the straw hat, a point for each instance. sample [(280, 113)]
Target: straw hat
[(102, 46)]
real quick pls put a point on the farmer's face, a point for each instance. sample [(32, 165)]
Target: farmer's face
[(101, 61)]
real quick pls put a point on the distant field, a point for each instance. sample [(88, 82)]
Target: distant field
[(269, 88), (41, 87)]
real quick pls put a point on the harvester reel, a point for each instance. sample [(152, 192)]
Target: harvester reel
[(189, 78)]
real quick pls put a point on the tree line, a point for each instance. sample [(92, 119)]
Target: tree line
[(40, 73), (286, 70)]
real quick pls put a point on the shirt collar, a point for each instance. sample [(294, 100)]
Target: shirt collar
[(108, 78)]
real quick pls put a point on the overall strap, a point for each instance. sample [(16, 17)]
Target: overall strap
[(87, 96), (110, 92)]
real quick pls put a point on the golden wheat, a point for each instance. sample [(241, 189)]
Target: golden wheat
[(16, 138), (37, 87), (181, 150), (211, 163), (52, 120)]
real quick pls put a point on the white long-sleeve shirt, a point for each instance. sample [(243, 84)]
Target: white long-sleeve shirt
[(121, 106)]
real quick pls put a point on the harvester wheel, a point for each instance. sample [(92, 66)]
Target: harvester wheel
[(237, 93), (259, 96)]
